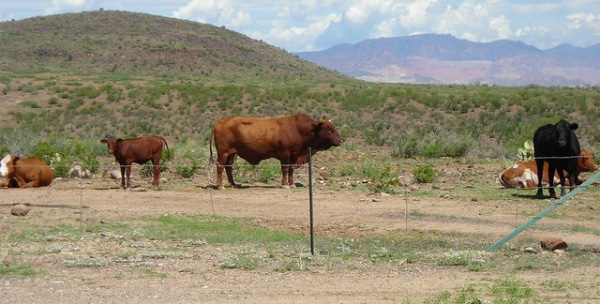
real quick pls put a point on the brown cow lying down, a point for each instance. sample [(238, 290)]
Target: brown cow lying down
[(523, 174), (24, 172), (286, 138)]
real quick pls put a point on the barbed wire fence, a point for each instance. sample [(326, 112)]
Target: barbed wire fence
[(54, 197)]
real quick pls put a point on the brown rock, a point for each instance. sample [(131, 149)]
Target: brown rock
[(552, 244), (19, 210)]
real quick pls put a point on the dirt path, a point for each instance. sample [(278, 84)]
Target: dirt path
[(197, 278)]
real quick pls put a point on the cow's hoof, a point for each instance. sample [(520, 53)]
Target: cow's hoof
[(285, 187), (220, 188)]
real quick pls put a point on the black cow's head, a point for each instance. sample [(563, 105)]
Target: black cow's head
[(564, 130)]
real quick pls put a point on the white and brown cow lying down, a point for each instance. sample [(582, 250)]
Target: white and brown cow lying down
[(24, 172), (523, 174)]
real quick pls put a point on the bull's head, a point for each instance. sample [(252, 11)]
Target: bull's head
[(326, 135), (563, 129)]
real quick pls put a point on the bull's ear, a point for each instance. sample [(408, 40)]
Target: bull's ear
[(573, 126), (316, 126)]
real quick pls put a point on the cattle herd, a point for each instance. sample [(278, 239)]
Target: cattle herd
[(558, 156)]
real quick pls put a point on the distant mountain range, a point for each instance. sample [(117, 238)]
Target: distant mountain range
[(444, 59)]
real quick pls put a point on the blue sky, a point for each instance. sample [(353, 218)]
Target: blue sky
[(310, 25)]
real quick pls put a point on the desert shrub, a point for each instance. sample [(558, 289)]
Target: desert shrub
[(75, 103), (188, 170), (54, 157), (30, 104), (83, 155), (148, 169), (53, 101), (267, 172), (4, 150), (424, 174), (347, 170), (434, 144), (381, 180)]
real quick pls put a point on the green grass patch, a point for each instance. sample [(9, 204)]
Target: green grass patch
[(216, 229), (18, 270)]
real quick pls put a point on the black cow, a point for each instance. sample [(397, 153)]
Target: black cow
[(558, 145)]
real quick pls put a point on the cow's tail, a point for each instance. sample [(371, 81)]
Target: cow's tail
[(210, 142), (167, 146)]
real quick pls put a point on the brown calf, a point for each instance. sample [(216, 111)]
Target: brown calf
[(136, 150)]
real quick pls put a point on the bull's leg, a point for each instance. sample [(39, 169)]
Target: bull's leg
[(229, 170), (572, 180), (156, 179), (285, 173), (22, 182), (220, 176), (563, 187), (128, 172), (540, 173), (291, 177), (123, 176), (224, 162), (551, 170)]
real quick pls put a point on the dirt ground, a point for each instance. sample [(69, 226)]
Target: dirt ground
[(340, 211)]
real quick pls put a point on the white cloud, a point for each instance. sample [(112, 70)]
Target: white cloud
[(502, 27), (531, 31), (416, 13), (216, 12), (580, 20), (301, 37), (485, 21), (361, 10), (61, 6)]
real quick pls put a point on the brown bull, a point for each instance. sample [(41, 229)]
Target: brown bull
[(25, 172), (523, 174), (286, 138), (136, 150)]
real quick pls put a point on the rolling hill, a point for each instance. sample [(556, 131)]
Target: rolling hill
[(444, 59), (126, 42), (92, 74)]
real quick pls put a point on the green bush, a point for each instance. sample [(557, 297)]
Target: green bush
[(187, 171), (424, 174), (267, 173)]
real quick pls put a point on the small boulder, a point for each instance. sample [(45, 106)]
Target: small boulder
[(19, 210), (552, 244), (78, 171)]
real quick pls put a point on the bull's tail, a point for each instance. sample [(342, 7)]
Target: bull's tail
[(167, 146), (210, 142)]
